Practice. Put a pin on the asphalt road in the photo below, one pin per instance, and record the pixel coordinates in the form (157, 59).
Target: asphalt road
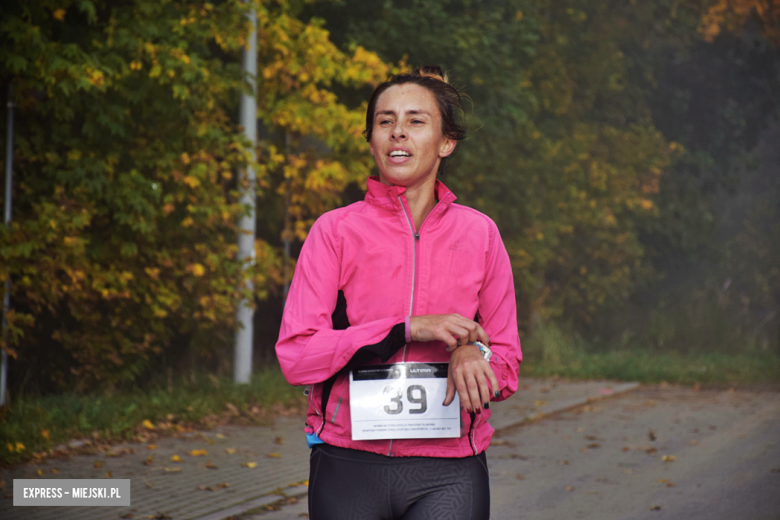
(654, 453)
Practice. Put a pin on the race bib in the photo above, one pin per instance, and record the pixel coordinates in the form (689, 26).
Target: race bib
(402, 401)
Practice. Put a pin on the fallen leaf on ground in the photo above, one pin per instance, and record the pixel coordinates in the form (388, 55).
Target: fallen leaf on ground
(305, 482)
(649, 403)
(206, 488)
(655, 508)
(98, 464)
(108, 474)
(731, 390)
(694, 443)
(40, 473)
(628, 471)
(594, 445)
(55, 471)
(230, 451)
(279, 440)
(148, 461)
(223, 485)
(668, 458)
(544, 389)
(199, 453)
(232, 409)
(151, 447)
(696, 387)
(45, 433)
(160, 516)
(651, 435)
(562, 462)
(249, 464)
(583, 450)
(590, 437)
(626, 448)
(540, 403)
(519, 477)
(569, 488)
(172, 470)
(148, 483)
(219, 436)
(175, 458)
(209, 465)
(274, 455)
(127, 515)
(147, 424)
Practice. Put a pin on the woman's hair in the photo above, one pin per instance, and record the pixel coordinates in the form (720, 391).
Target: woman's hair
(448, 100)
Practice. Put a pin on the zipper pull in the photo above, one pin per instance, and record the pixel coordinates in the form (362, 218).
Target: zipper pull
(417, 235)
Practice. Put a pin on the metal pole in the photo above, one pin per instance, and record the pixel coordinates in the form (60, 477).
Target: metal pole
(242, 352)
(9, 161)
(287, 230)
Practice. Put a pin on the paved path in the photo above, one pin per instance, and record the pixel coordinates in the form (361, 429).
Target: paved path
(651, 454)
(190, 489)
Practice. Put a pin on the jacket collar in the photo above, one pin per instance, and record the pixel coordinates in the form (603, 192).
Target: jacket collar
(380, 194)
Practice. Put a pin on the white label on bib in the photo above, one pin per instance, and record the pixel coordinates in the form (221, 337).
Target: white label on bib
(402, 401)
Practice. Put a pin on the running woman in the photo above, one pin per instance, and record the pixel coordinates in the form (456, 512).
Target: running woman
(401, 320)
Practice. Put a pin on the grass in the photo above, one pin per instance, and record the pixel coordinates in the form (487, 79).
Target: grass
(552, 352)
(35, 424)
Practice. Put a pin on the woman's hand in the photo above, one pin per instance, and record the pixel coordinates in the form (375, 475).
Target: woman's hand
(452, 329)
(470, 374)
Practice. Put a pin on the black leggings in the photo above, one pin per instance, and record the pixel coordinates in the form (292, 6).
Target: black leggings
(346, 484)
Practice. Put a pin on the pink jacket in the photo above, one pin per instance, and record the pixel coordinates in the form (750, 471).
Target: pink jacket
(363, 270)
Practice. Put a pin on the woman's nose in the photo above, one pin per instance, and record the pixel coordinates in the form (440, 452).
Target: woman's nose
(399, 132)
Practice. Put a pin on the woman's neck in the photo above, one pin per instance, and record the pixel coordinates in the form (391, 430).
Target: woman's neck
(421, 200)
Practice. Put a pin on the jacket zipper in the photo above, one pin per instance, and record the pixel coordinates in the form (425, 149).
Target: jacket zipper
(415, 238)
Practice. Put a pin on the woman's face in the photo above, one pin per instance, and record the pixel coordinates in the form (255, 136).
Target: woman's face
(407, 142)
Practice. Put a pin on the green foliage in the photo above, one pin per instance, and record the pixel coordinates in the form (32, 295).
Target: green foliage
(552, 351)
(126, 202)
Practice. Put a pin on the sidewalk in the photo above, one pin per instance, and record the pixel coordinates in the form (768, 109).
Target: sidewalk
(245, 467)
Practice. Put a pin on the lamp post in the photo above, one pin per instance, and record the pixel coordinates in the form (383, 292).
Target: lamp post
(9, 161)
(242, 352)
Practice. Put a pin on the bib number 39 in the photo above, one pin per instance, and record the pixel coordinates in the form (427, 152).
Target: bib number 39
(415, 395)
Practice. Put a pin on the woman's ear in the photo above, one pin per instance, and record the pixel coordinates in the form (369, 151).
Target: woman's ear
(447, 147)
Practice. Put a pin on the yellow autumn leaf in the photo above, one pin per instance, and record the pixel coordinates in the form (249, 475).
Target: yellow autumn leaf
(199, 453)
(175, 458)
(45, 434)
(147, 424)
(20, 446)
(151, 447)
(249, 464)
(668, 458)
(230, 451)
(197, 269)
(40, 472)
(540, 403)
(274, 455)
(59, 14)
(219, 436)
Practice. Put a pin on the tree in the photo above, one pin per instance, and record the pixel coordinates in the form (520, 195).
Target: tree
(123, 240)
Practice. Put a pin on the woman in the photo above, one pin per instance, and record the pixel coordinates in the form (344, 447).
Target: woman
(376, 322)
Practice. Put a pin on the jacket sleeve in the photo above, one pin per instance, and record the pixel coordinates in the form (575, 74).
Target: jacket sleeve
(498, 316)
(309, 349)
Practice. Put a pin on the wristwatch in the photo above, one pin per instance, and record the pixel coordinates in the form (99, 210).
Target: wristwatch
(483, 349)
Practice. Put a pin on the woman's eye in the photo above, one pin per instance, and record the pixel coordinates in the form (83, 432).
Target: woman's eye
(417, 122)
